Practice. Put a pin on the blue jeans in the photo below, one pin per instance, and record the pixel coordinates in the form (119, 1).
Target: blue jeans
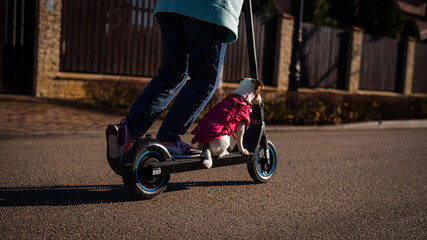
(193, 48)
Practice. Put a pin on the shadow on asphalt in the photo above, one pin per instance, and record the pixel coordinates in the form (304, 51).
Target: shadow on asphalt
(63, 195)
(187, 185)
(89, 194)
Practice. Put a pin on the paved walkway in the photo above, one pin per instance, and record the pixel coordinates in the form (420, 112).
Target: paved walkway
(27, 114)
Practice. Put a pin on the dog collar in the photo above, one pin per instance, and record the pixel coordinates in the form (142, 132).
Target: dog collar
(244, 100)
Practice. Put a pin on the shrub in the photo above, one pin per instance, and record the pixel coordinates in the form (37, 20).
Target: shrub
(295, 108)
(298, 108)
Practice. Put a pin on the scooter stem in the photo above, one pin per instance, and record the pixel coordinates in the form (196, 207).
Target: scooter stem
(251, 39)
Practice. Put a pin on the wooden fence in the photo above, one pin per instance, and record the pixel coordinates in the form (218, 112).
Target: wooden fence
(121, 37)
(419, 82)
(323, 60)
(236, 61)
(110, 37)
(381, 64)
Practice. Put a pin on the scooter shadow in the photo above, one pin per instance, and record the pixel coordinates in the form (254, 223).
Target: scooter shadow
(63, 195)
(180, 186)
(87, 194)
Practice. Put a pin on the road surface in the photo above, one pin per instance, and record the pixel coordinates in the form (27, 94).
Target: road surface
(329, 184)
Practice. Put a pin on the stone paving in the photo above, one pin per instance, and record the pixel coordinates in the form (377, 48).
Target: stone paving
(25, 114)
(28, 114)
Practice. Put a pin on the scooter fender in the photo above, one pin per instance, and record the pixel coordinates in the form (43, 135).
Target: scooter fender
(260, 140)
(256, 135)
(144, 144)
(253, 137)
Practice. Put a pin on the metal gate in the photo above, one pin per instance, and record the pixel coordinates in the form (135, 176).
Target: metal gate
(17, 28)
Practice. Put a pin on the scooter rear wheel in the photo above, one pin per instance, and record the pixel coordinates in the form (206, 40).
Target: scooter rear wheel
(262, 169)
(138, 179)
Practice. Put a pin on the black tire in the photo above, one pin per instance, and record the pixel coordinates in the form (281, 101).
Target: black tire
(262, 169)
(138, 181)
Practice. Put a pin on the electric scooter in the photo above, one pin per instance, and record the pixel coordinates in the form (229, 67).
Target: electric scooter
(146, 167)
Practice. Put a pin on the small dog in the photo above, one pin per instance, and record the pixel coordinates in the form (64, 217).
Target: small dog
(230, 115)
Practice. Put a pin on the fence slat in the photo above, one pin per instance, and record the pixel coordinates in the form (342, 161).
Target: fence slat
(129, 41)
(90, 36)
(419, 82)
(236, 61)
(75, 32)
(63, 36)
(381, 63)
(323, 59)
(96, 41)
(103, 37)
(82, 31)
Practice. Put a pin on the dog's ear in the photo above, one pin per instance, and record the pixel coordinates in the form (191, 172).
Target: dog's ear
(258, 85)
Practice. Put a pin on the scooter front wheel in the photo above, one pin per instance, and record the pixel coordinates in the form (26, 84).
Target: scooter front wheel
(138, 178)
(263, 168)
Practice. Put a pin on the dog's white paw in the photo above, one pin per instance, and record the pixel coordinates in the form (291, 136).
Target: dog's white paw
(208, 159)
(223, 154)
(244, 151)
(207, 163)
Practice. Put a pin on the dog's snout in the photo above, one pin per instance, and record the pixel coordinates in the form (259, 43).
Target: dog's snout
(257, 99)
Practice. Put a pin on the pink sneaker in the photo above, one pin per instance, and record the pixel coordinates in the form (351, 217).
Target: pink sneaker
(119, 140)
(180, 149)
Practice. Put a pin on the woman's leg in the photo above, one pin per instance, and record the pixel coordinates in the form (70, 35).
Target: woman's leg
(206, 43)
(169, 80)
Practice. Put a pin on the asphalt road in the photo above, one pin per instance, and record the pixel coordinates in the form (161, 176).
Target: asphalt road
(329, 184)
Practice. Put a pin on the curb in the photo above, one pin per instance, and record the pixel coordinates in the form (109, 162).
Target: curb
(374, 125)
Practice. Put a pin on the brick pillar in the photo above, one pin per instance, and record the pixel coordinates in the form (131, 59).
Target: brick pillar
(283, 57)
(47, 46)
(354, 57)
(408, 66)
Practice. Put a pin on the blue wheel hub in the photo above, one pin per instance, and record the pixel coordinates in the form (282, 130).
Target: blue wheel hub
(265, 166)
(144, 178)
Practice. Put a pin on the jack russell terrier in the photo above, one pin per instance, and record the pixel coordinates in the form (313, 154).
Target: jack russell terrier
(230, 115)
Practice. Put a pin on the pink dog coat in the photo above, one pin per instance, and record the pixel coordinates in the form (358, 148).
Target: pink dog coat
(222, 119)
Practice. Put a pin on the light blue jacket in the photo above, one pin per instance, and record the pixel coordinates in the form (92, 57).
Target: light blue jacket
(222, 12)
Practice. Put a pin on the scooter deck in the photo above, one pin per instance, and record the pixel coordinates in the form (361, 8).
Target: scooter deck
(190, 164)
